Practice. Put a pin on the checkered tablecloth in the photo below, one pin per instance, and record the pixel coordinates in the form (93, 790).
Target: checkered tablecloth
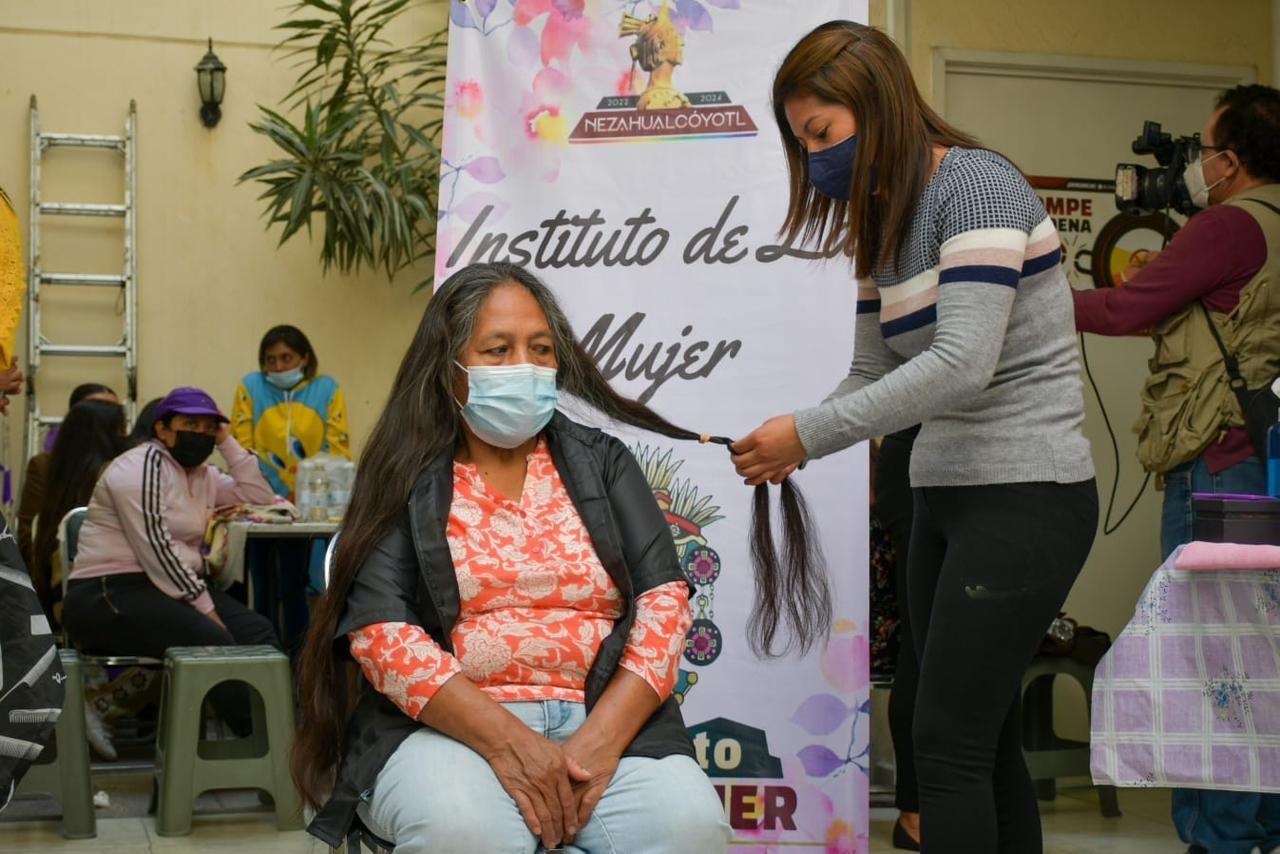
(1189, 695)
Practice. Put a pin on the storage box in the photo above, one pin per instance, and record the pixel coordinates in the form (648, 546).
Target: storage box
(1236, 519)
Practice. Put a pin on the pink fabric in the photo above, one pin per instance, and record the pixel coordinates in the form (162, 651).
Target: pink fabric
(1189, 694)
(1200, 556)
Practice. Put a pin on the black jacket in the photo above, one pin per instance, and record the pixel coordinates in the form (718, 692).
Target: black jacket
(410, 578)
(31, 675)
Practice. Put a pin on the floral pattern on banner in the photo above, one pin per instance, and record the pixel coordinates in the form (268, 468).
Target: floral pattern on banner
(490, 133)
(839, 737)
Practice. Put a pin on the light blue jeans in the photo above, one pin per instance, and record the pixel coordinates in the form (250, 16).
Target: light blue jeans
(436, 794)
(1216, 821)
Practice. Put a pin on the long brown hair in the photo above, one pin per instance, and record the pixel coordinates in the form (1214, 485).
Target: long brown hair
(421, 421)
(860, 68)
(91, 436)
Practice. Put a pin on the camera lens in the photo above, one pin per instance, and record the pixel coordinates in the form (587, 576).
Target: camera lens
(1127, 178)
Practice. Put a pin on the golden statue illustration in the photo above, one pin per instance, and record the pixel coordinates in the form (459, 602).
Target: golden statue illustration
(658, 49)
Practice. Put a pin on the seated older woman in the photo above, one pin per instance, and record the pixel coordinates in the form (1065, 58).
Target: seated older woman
(510, 590)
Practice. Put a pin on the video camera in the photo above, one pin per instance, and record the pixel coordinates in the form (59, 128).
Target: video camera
(1141, 189)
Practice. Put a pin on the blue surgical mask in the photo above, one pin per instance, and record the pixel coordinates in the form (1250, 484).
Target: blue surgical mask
(285, 379)
(507, 405)
(831, 169)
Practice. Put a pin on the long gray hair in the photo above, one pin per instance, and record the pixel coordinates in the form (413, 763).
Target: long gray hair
(421, 421)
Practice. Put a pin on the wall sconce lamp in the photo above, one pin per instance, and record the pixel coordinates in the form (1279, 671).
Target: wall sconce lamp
(211, 78)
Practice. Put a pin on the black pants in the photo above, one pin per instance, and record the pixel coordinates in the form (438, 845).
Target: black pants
(894, 508)
(128, 615)
(990, 569)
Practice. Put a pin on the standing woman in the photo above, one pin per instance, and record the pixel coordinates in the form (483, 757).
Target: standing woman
(285, 412)
(964, 325)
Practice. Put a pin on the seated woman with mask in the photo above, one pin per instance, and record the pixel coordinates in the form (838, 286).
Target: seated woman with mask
(510, 590)
(138, 586)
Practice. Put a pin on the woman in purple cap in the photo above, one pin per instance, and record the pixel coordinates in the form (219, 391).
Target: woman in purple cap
(139, 584)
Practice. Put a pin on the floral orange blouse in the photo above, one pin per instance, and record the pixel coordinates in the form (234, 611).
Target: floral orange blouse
(536, 604)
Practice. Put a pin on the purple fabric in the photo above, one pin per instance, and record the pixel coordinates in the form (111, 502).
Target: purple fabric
(189, 401)
(1233, 496)
(1189, 695)
(49, 439)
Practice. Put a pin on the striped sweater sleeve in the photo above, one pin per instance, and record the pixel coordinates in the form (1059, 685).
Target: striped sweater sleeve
(984, 244)
(141, 506)
(872, 357)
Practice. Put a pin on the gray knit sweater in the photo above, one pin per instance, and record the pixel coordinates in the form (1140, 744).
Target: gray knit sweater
(973, 336)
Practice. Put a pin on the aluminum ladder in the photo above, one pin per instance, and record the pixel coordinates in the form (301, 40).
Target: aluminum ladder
(39, 346)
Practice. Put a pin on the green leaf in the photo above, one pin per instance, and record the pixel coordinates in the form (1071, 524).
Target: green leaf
(327, 47)
(322, 5)
(344, 147)
(306, 24)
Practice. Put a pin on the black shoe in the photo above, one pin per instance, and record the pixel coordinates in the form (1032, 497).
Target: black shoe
(902, 840)
(1196, 849)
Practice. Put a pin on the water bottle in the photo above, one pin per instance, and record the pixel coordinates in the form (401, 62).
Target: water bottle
(1273, 452)
(318, 486)
(302, 490)
(343, 476)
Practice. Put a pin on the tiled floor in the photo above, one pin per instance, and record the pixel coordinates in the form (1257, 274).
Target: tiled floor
(1072, 825)
(254, 833)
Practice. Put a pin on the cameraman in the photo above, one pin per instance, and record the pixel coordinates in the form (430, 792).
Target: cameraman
(1190, 430)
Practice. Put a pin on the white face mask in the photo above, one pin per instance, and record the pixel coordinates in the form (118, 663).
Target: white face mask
(1193, 175)
(507, 405)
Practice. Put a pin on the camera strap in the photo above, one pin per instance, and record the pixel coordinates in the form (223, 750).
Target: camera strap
(1259, 407)
(1233, 366)
(1267, 205)
(1228, 360)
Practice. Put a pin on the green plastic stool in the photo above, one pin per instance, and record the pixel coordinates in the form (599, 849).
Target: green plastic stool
(1048, 756)
(64, 771)
(187, 766)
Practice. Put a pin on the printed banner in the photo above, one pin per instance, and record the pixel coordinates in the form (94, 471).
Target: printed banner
(1101, 247)
(627, 152)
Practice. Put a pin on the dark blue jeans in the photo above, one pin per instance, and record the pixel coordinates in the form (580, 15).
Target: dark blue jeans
(280, 572)
(1221, 822)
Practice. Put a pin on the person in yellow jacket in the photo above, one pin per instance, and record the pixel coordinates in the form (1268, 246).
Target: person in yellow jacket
(12, 286)
(285, 412)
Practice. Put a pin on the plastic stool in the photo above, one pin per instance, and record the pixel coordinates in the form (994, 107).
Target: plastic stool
(1048, 756)
(186, 766)
(64, 771)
